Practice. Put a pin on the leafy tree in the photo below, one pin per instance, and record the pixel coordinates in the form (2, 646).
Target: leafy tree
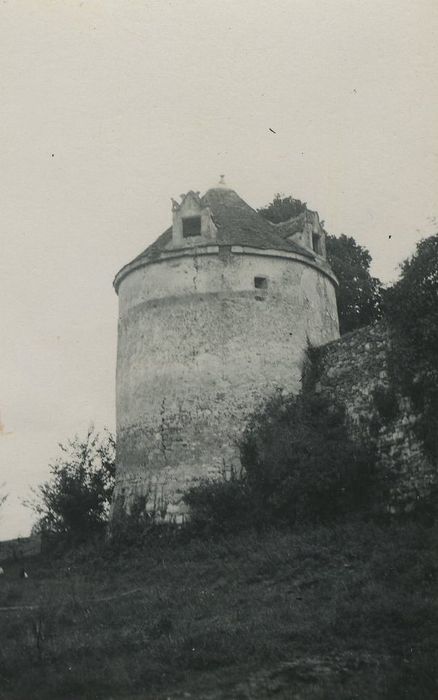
(412, 303)
(412, 312)
(75, 502)
(359, 295)
(282, 209)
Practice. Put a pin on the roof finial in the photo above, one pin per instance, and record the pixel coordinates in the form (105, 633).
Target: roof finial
(222, 180)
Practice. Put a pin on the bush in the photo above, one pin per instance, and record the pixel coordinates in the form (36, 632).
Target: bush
(282, 209)
(300, 467)
(74, 504)
(220, 507)
(137, 527)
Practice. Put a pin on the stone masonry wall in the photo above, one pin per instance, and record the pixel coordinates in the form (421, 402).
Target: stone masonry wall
(353, 371)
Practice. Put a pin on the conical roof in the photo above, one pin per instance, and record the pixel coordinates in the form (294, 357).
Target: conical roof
(237, 224)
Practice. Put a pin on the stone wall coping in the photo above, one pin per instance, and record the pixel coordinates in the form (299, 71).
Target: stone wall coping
(377, 332)
(214, 250)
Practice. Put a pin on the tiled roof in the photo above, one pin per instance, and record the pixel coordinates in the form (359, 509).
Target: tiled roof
(237, 224)
(288, 228)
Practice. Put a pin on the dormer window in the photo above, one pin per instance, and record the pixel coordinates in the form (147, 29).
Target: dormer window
(191, 226)
(191, 221)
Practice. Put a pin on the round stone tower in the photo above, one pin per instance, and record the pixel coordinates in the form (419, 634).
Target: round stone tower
(215, 317)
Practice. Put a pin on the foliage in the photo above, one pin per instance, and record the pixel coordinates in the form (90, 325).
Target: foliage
(412, 301)
(137, 526)
(74, 504)
(220, 506)
(359, 295)
(282, 209)
(412, 313)
(300, 466)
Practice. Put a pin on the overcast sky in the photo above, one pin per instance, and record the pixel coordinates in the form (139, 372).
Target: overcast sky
(109, 108)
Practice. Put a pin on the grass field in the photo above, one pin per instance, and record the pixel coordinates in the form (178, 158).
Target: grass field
(346, 612)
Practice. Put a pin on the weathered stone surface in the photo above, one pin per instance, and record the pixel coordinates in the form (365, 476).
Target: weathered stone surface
(352, 369)
(200, 346)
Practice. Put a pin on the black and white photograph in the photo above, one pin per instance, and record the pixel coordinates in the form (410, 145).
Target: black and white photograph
(219, 350)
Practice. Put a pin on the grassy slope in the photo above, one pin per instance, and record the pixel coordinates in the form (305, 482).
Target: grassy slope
(348, 612)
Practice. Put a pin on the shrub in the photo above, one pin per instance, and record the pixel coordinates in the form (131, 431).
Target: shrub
(282, 209)
(219, 507)
(136, 527)
(74, 504)
(300, 466)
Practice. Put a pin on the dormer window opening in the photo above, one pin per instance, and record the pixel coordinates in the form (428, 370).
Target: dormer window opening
(316, 243)
(191, 226)
(261, 287)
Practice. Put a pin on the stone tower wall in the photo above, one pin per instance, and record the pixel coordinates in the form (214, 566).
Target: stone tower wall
(199, 347)
(354, 372)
